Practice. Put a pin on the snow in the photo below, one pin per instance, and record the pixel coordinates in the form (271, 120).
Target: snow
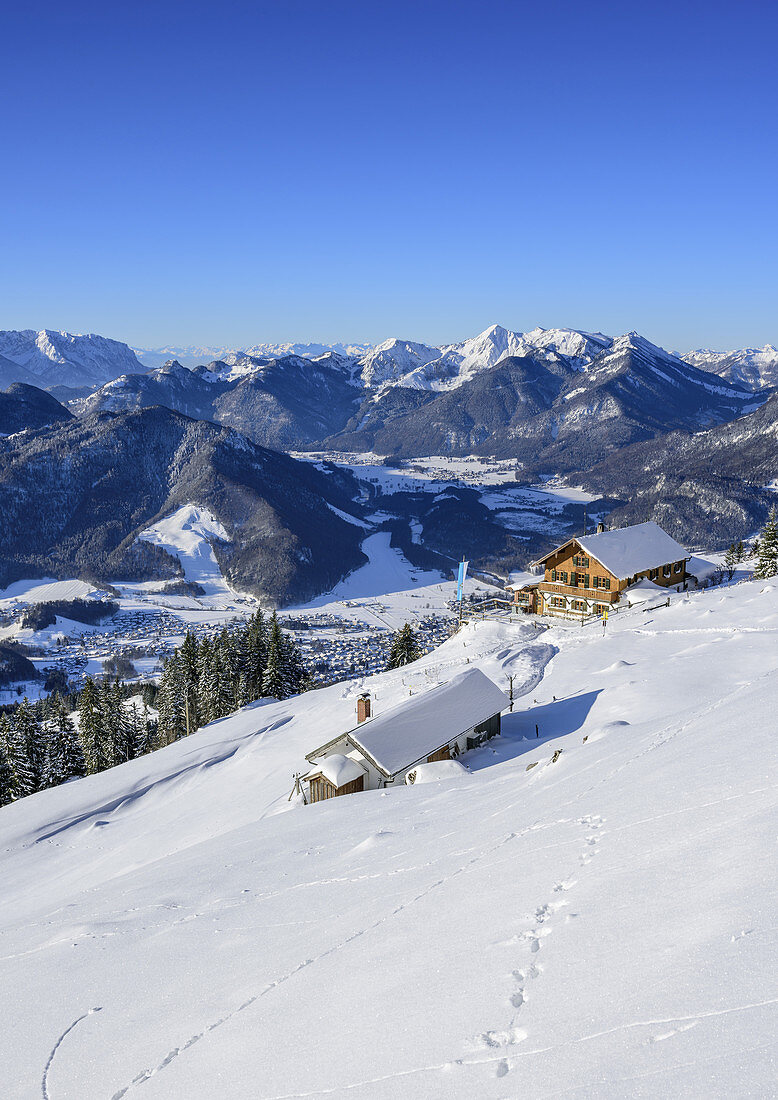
(630, 550)
(339, 769)
(437, 770)
(643, 591)
(405, 733)
(387, 571)
(600, 925)
(187, 534)
(45, 589)
(597, 926)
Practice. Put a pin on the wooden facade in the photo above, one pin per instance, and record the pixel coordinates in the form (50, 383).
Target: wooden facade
(320, 788)
(576, 584)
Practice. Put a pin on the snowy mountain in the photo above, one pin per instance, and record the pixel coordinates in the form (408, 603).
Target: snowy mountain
(458, 363)
(551, 412)
(50, 358)
(194, 355)
(76, 496)
(286, 403)
(753, 367)
(420, 366)
(391, 361)
(582, 913)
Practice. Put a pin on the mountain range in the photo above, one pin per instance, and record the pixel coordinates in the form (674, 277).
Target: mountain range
(555, 400)
(59, 359)
(75, 496)
(648, 432)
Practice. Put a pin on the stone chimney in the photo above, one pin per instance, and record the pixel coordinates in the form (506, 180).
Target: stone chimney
(600, 528)
(363, 708)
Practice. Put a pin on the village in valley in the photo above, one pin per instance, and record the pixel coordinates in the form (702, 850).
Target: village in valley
(346, 636)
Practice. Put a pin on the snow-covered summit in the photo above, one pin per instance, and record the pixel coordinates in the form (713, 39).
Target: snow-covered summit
(67, 359)
(458, 363)
(753, 367)
(395, 359)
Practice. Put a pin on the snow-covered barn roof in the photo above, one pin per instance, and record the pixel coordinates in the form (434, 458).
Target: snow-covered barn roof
(630, 550)
(415, 728)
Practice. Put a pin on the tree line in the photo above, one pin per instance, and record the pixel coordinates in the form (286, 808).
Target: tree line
(65, 736)
(42, 746)
(210, 678)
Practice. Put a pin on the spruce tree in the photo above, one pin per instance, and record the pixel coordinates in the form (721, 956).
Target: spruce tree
(90, 728)
(405, 648)
(25, 756)
(767, 559)
(6, 777)
(69, 745)
(188, 668)
(207, 686)
(274, 680)
(145, 732)
(255, 657)
(730, 561)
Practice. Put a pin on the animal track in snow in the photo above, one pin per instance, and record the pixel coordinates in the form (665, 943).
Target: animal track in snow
(493, 1039)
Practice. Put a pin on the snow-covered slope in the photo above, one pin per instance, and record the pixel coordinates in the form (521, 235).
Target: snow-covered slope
(188, 534)
(754, 367)
(597, 926)
(63, 359)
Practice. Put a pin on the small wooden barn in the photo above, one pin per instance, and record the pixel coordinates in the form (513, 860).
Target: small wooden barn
(439, 724)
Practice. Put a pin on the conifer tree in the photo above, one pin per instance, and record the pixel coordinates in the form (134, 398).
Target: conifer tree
(90, 728)
(767, 559)
(405, 648)
(730, 561)
(188, 669)
(144, 731)
(207, 686)
(255, 657)
(6, 776)
(274, 680)
(69, 749)
(25, 756)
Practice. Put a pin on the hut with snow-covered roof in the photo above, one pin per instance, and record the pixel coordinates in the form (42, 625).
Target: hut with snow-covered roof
(439, 724)
(590, 573)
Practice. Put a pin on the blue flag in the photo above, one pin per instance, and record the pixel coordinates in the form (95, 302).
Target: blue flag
(461, 579)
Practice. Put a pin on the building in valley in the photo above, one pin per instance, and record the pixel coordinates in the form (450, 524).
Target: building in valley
(590, 573)
(439, 724)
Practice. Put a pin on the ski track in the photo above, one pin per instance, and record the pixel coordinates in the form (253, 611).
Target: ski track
(55, 1048)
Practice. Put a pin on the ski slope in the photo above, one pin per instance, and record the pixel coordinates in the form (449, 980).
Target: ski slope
(598, 926)
(188, 534)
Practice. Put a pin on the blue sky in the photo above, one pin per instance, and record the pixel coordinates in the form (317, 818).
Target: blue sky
(237, 172)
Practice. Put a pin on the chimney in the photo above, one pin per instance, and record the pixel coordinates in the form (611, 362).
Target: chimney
(600, 528)
(363, 708)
